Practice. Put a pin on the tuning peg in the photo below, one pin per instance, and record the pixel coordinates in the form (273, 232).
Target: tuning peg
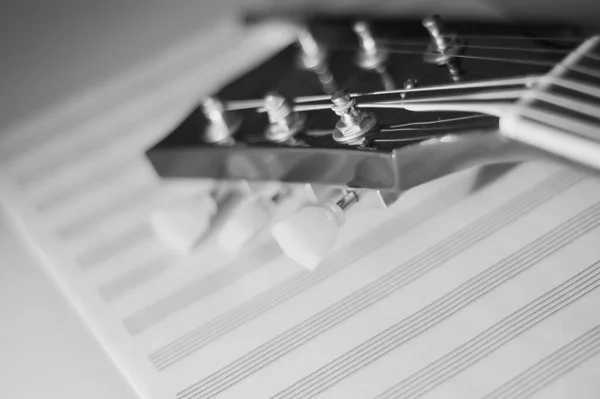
(354, 124)
(309, 234)
(370, 55)
(183, 223)
(409, 84)
(312, 55)
(443, 48)
(252, 215)
(284, 122)
(222, 124)
(269, 201)
(246, 221)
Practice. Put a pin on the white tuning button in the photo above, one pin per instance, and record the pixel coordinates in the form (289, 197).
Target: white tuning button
(183, 223)
(309, 234)
(246, 221)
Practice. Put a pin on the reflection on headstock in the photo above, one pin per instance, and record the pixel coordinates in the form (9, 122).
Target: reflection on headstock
(287, 120)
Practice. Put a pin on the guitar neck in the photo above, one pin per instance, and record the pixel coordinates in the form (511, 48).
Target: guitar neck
(561, 115)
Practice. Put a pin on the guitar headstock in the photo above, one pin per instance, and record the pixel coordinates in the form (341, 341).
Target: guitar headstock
(365, 105)
(359, 56)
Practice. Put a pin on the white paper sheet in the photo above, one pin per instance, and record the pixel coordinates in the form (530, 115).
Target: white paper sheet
(482, 284)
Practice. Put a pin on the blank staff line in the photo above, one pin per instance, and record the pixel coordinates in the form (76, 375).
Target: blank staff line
(75, 123)
(362, 242)
(377, 237)
(352, 304)
(567, 367)
(199, 288)
(135, 278)
(451, 369)
(372, 348)
(96, 136)
(347, 256)
(65, 160)
(175, 93)
(499, 334)
(116, 244)
(387, 284)
(550, 368)
(109, 211)
(473, 289)
(79, 186)
(440, 246)
(128, 112)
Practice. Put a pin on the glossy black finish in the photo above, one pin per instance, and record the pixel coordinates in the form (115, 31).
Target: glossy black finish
(391, 160)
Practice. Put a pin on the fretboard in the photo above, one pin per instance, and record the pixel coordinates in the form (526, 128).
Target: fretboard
(561, 114)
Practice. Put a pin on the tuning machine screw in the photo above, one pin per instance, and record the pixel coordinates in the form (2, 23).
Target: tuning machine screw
(354, 124)
(313, 57)
(222, 124)
(443, 47)
(309, 234)
(284, 122)
(312, 54)
(370, 55)
(408, 84)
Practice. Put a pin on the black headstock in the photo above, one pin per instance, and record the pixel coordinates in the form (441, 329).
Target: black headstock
(395, 153)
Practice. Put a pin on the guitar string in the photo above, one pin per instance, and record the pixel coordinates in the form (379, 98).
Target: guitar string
(431, 130)
(560, 39)
(585, 70)
(576, 85)
(503, 48)
(311, 107)
(476, 57)
(449, 102)
(419, 138)
(248, 104)
(399, 104)
(494, 95)
(422, 42)
(486, 95)
(253, 104)
(490, 95)
(494, 108)
(593, 56)
(404, 125)
(525, 80)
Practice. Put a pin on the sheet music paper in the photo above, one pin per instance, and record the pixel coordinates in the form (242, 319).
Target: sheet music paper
(482, 284)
